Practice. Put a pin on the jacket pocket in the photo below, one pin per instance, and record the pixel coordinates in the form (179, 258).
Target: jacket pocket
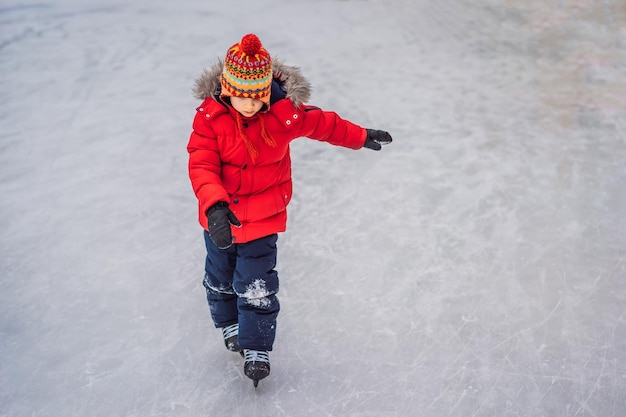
(266, 204)
(231, 178)
(286, 191)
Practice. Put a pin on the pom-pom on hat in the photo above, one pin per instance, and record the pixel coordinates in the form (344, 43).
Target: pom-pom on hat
(247, 70)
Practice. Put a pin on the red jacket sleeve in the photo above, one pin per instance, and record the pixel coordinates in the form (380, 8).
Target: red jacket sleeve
(205, 165)
(328, 127)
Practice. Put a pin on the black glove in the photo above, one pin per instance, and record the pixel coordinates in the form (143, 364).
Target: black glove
(376, 138)
(220, 218)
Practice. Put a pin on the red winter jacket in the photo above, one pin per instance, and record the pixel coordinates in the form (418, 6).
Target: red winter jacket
(222, 169)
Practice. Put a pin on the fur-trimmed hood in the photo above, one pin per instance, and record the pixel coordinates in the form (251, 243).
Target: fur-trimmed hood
(297, 88)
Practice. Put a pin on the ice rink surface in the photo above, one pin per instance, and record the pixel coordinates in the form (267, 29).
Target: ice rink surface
(475, 267)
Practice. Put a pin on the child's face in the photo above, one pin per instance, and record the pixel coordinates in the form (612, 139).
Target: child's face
(248, 107)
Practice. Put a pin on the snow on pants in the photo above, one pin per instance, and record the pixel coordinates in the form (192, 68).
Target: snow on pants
(241, 285)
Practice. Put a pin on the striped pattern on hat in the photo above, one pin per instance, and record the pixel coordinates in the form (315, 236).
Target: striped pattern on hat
(247, 70)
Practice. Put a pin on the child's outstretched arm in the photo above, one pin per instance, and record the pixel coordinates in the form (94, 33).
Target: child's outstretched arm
(328, 127)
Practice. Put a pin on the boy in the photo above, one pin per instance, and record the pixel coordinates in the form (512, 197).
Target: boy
(240, 171)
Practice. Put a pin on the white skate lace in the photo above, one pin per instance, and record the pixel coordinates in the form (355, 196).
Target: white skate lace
(229, 331)
(256, 356)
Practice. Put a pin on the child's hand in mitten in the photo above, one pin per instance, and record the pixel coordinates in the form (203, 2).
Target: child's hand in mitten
(219, 219)
(376, 138)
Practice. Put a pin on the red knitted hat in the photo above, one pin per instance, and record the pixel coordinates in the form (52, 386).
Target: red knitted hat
(247, 70)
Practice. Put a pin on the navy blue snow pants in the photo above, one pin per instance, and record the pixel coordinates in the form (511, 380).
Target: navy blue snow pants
(241, 285)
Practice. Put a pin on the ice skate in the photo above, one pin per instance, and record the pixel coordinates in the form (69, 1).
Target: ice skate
(231, 334)
(256, 365)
